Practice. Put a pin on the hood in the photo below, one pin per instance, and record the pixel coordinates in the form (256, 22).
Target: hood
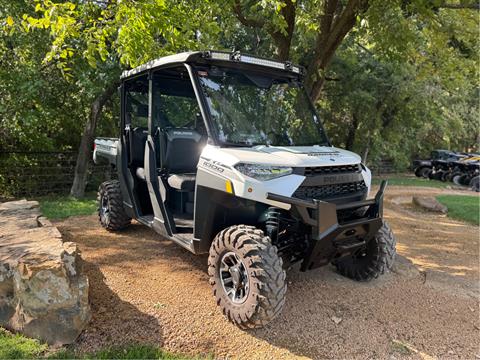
(294, 156)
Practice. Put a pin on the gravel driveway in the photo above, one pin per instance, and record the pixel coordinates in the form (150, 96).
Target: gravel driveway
(149, 290)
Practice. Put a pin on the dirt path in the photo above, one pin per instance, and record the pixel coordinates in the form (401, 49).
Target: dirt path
(446, 251)
(146, 289)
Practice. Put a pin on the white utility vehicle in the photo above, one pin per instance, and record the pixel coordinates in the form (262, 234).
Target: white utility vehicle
(224, 153)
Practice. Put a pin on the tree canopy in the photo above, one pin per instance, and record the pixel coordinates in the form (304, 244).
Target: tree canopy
(392, 79)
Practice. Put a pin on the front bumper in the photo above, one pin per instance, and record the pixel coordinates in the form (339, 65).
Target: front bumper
(331, 237)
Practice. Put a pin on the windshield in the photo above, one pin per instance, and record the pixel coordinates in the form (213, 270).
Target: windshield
(249, 109)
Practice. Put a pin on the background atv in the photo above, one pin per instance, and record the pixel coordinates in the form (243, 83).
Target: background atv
(466, 172)
(425, 168)
(224, 154)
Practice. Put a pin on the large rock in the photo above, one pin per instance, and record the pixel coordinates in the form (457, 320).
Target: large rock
(430, 204)
(405, 267)
(43, 292)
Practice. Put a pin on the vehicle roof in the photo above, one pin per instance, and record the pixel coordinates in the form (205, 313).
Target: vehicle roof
(206, 57)
(165, 60)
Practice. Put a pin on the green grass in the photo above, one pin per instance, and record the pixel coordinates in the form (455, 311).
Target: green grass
(400, 348)
(60, 207)
(129, 352)
(396, 180)
(19, 347)
(15, 346)
(462, 207)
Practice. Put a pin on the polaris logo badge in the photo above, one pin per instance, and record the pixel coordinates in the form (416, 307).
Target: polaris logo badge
(187, 133)
(338, 179)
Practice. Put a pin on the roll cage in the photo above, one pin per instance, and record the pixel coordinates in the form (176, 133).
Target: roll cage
(193, 60)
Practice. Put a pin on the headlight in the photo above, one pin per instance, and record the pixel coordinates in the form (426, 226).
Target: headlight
(263, 172)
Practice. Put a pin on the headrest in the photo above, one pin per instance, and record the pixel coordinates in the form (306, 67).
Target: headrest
(183, 133)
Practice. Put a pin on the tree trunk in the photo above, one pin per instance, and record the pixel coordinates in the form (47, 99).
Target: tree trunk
(335, 24)
(86, 143)
(365, 153)
(282, 40)
(352, 132)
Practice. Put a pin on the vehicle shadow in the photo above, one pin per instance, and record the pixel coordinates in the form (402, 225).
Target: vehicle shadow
(133, 244)
(114, 322)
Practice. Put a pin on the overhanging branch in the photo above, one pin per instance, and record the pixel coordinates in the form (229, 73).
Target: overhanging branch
(237, 9)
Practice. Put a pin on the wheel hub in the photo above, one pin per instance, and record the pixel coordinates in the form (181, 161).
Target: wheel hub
(104, 209)
(234, 277)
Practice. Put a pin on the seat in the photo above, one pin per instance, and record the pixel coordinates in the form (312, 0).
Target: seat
(138, 138)
(182, 182)
(183, 148)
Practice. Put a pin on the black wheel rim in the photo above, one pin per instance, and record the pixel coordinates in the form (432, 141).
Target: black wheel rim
(359, 254)
(104, 210)
(363, 252)
(234, 277)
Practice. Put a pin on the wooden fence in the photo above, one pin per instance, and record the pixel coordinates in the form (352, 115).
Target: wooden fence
(32, 174)
(382, 167)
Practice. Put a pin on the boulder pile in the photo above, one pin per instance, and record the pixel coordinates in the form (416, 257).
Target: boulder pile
(43, 292)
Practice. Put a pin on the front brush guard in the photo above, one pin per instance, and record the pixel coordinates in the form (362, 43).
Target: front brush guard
(331, 238)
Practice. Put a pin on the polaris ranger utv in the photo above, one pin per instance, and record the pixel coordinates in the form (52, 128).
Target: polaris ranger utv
(223, 153)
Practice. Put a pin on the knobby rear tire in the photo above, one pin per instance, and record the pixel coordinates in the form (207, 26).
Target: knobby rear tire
(110, 195)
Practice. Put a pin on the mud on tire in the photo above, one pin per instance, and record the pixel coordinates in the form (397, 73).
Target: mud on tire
(265, 277)
(111, 213)
(377, 258)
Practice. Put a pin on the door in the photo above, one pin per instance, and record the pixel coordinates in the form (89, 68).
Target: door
(134, 136)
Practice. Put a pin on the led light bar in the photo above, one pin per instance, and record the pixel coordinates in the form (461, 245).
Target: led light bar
(269, 63)
(236, 56)
(220, 56)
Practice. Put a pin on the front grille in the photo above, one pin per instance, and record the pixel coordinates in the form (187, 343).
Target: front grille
(328, 170)
(329, 191)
